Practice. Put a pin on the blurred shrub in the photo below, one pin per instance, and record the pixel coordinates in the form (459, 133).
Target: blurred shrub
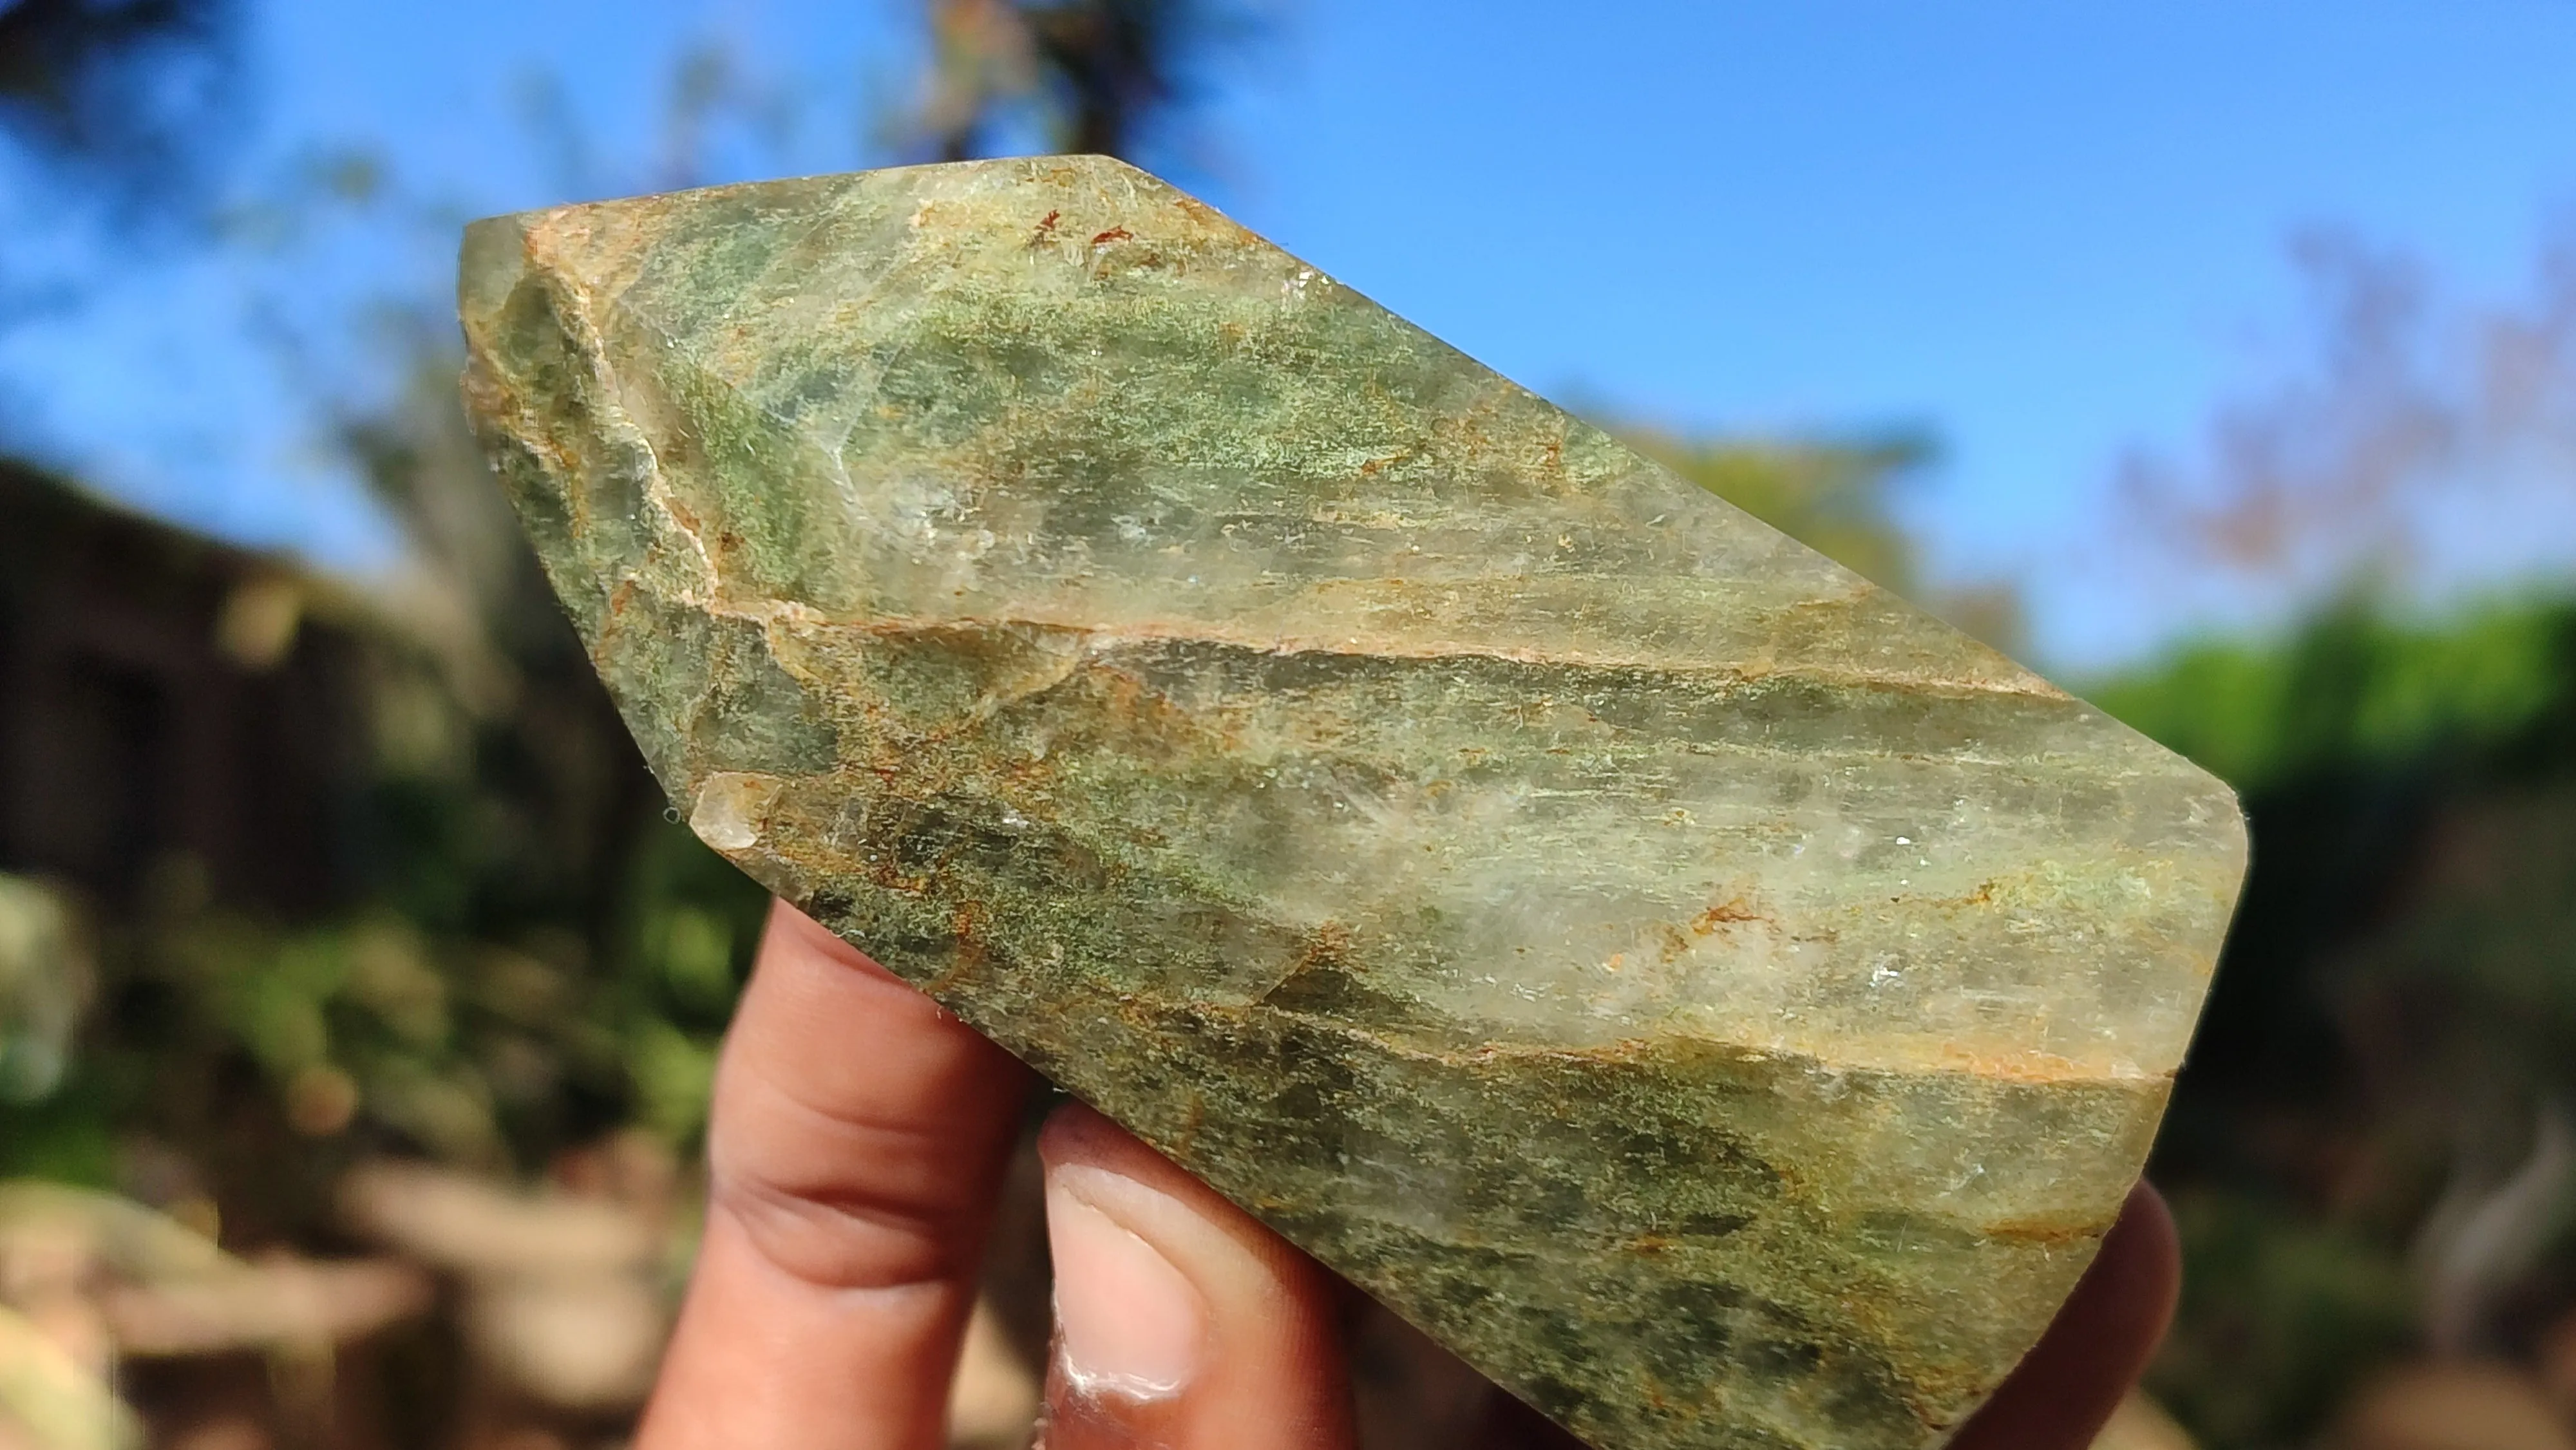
(1839, 496)
(2280, 1317)
(2356, 690)
(1834, 496)
(44, 988)
(504, 947)
(2361, 1149)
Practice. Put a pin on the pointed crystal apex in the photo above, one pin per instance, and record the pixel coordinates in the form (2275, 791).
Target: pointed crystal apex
(1723, 1004)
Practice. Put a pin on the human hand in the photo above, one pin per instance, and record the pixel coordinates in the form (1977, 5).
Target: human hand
(858, 1142)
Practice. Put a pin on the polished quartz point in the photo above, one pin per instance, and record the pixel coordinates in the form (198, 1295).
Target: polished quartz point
(1723, 1004)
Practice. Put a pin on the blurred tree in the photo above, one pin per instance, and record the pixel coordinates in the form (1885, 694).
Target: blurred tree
(116, 115)
(2352, 689)
(531, 952)
(1835, 496)
(2370, 1149)
(528, 824)
(2360, 1149)
(1092, 75)
(1839, 497)
(135, 97)
(2419, 442)
(527, 954)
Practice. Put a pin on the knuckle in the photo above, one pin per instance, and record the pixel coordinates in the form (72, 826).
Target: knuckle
(842, 1239)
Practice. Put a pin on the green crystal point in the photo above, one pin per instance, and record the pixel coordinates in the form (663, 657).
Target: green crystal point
(1723, 1004)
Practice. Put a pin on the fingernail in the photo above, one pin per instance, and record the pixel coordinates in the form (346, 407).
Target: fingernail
(1128, 1323)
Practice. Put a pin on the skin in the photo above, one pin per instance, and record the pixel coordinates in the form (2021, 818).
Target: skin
(857, 1147)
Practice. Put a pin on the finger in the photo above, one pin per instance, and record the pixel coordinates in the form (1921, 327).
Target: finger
(857, 1142)
(1512, 1425)
(2065, 1389)
(1181, 1323)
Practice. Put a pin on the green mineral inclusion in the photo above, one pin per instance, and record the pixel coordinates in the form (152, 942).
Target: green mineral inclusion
(1723, 1004)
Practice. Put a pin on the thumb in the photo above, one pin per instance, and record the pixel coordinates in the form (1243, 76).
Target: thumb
(1180, 1321)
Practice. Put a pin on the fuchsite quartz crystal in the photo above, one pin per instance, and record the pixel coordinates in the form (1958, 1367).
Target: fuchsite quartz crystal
(1720, 1002)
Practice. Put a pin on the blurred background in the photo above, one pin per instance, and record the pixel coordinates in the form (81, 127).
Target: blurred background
(358, 997)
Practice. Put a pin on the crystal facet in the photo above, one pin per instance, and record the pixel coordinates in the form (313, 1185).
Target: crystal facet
(1723, 1004)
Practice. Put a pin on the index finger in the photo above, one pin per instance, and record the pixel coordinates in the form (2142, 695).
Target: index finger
(856, 1146)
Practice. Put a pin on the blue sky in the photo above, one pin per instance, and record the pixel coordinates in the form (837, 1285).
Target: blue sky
(2046, 232)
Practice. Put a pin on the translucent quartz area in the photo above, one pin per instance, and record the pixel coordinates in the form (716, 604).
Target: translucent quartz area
(1720, 1002)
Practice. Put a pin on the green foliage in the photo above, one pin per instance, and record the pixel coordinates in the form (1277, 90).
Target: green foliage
(2355, 689)
(280, 1051)
(2279, 1316)
(1838, 497)
(1834, 497)
(2395, 1016)
(2496, 917)
(44, 986)
(521, 952)
(67, 1136)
